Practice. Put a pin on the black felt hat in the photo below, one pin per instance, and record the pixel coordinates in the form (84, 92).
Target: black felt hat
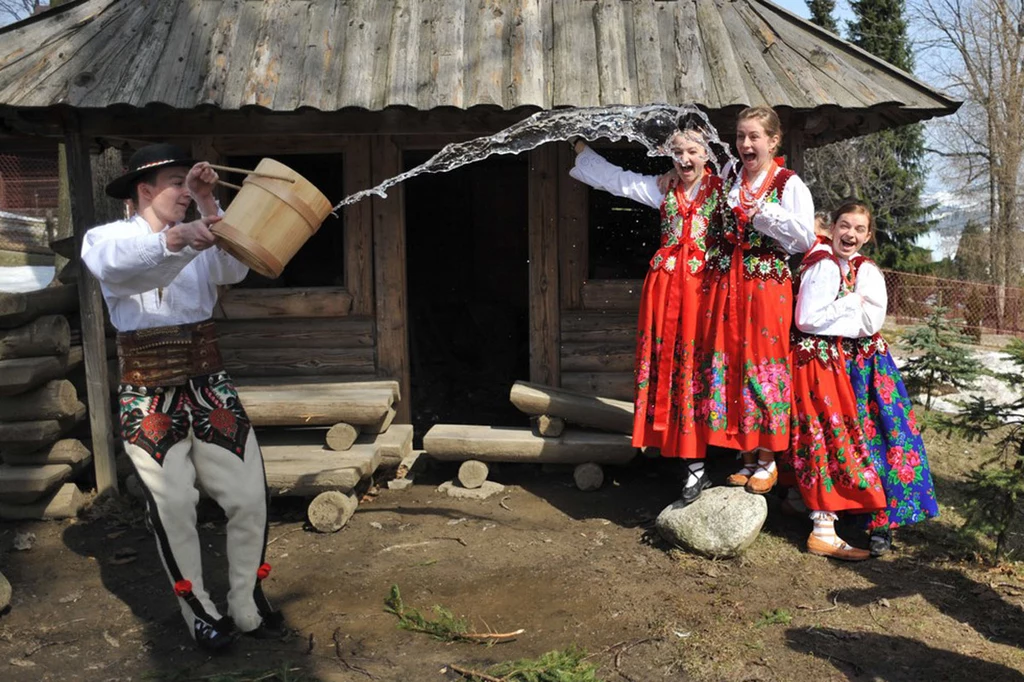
(144, 160)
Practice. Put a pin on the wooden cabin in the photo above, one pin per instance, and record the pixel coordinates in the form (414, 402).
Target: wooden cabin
(455, 284)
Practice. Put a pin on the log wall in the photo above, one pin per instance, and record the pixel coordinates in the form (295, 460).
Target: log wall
(598, 339)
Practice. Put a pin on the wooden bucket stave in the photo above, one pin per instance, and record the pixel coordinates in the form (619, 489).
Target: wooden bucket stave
(269, 219)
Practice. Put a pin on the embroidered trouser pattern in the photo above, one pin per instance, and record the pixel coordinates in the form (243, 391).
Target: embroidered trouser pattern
(199, 431)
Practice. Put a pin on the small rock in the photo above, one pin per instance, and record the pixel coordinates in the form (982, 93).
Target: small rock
(24, 541)
(5, 593)
(399, 483)
(377, 525)
(483, 492)
(723, 522)
(588, 476)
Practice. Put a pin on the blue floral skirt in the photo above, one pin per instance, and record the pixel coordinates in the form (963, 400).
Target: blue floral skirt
(894, 441)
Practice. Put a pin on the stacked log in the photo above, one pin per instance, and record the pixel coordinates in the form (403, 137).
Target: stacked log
(39, 406)
(600, 435)
(325, 437)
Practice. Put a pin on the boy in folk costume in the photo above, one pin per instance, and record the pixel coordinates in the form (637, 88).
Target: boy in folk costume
(180, 416)
(672, 298)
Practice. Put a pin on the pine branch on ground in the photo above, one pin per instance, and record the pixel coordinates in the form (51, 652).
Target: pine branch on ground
(566, 665)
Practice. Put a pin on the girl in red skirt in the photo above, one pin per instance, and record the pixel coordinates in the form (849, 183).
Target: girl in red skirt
(742, 382)
(672, 296)
(829, 454)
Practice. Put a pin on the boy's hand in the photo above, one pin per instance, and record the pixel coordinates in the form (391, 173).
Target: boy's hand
(196, 234)
(201, 180)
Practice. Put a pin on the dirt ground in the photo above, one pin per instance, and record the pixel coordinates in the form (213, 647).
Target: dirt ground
(91, 601)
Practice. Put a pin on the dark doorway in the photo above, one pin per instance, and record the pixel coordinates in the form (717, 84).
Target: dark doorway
(468, 283)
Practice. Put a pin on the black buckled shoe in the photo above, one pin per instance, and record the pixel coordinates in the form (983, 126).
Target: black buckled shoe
(216, 637)
(692, 492)
(271, 627)
(881, 541)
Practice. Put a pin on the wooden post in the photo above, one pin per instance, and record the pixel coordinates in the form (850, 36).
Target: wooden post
(543, 249)
(358, 227)
(91, 313)
(390, 272)
(573, 229)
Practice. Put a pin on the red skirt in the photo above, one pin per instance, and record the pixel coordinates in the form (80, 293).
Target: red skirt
(829, 455)
(743, 383)
(666, 330)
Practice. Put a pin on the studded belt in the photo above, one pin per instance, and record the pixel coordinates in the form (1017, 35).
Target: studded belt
(168, 356)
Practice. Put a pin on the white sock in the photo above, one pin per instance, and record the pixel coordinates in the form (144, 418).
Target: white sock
(825, 527)
(765, 468)
(696, 470)
(748, 468)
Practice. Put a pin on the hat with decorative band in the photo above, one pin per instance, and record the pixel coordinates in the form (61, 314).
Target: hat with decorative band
(146, 159)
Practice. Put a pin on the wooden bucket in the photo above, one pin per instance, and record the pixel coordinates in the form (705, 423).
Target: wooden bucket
(270, 219)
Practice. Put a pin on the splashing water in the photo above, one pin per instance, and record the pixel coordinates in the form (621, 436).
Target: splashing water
(652, 126)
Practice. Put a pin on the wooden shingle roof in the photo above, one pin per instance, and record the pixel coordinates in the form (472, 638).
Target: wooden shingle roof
(286, 55)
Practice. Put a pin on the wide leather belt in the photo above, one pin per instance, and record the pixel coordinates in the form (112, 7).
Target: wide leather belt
(168, 356)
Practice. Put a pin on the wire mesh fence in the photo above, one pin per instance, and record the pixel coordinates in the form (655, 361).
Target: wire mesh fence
(982, 308)
(29, 184)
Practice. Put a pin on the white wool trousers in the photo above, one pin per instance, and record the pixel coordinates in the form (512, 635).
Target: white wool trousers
(180, 435)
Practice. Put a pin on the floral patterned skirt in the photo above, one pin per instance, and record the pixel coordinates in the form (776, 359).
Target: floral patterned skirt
(829, 457)
(742, 388)
(666, 331)
(893, 439)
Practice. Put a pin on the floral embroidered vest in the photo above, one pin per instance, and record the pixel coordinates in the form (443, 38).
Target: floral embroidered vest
(674, 233)
(763, 257)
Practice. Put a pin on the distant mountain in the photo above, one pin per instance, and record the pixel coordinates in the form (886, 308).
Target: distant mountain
(951, 214)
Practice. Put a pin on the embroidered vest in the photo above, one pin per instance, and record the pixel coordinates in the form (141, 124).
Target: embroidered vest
(700, 215)
(763, 257)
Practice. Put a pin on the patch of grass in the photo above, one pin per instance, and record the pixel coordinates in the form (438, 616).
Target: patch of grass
(445, 626)
(566, 665)
(774, 617)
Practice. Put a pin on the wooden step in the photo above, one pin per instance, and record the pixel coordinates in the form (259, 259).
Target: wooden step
(314, 404)
(22, 485)
(21, 437)
(307, 470)
(70, 451)
(395, 444)
(459, 442)
(63, 503)
(340, 382)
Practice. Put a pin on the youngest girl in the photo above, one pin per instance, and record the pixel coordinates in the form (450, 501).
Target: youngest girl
(830, 458)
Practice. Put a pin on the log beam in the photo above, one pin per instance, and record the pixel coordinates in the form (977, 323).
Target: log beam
(578, 408)
(461, 442)
(46, 335)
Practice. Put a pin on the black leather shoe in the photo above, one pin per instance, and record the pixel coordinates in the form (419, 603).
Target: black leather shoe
(272, 627)
(692, 492)
(217, 637)
(881, 542)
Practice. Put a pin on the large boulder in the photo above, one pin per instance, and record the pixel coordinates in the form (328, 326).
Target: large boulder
(721, 523)
(5, 593)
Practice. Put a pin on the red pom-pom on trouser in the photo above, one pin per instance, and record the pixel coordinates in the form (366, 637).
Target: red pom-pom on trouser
(263, 571)
(183, 588)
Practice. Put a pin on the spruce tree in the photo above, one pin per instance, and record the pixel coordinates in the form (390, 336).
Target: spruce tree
(822, 14)
(996, 488)
(880, 27)
(939, 357)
